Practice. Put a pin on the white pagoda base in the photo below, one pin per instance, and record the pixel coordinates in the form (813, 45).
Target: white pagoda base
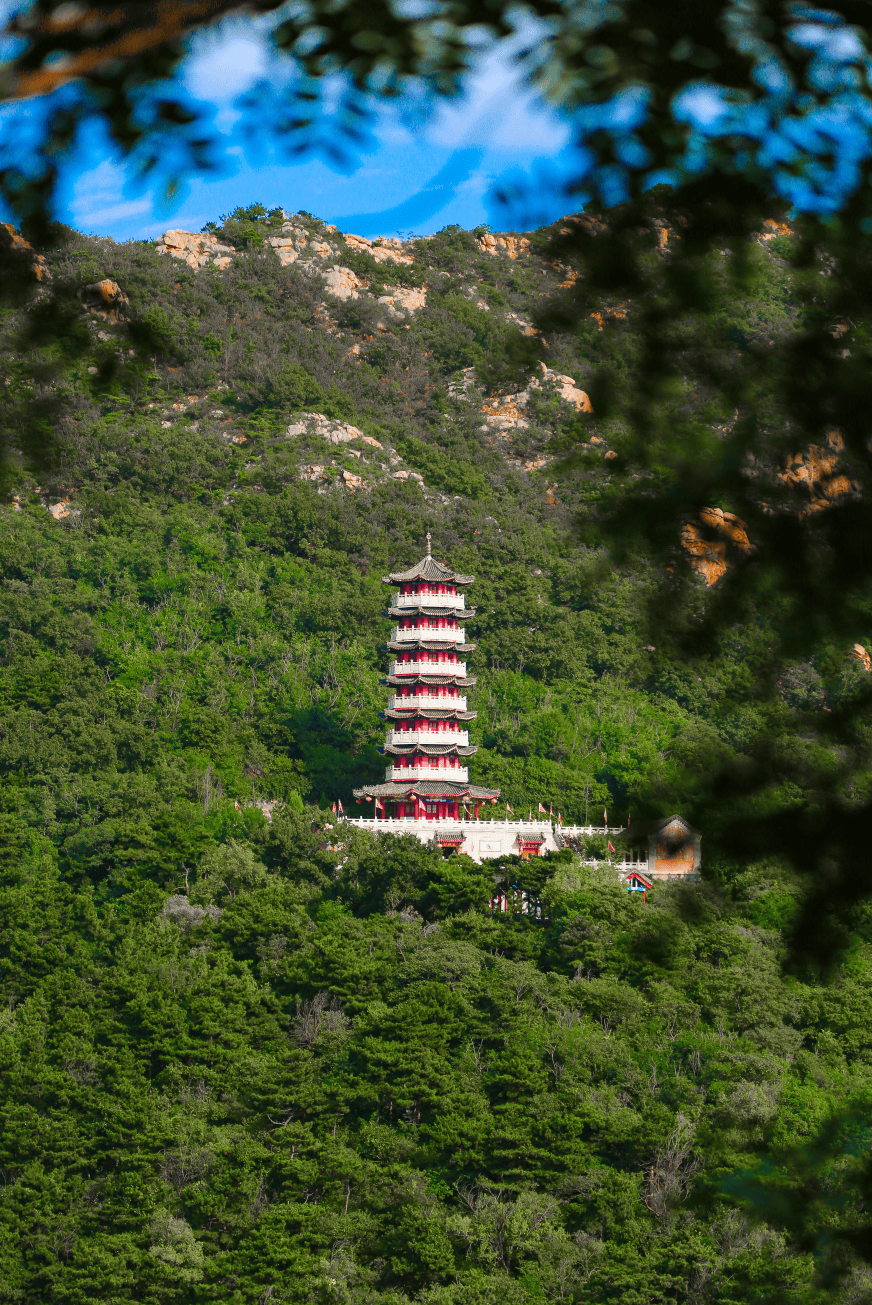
(484, 840)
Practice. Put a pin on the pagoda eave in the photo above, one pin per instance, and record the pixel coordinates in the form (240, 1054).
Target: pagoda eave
(423, 788)
(424, 609)
(426, 713)
(430, 749)
(428, 645)
(435, 681)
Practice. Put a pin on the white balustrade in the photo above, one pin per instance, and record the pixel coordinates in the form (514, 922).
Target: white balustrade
(433, 634)
(404, 737)
(427, 668)
(430, 600)
(431, 701)
(453, 774)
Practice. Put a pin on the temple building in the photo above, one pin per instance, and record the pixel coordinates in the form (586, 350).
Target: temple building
(663, 849)
(426, 742)
(427, 792)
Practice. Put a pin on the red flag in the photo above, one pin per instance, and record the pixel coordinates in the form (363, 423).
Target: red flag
(560, 817)
(542, 809)
(605, 816)
(378, 805)
(551, 812)
(341, 810)
(509, 809)
(333, 808)
(611, 849)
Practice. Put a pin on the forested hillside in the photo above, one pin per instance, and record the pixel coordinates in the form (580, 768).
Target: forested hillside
(260, 1059)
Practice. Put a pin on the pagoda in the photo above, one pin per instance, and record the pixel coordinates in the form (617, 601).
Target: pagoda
(426, 741)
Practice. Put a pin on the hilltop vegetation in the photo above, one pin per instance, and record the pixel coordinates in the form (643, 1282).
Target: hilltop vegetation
(244, 1061)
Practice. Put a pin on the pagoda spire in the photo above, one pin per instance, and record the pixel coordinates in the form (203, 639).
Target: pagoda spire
(426, 742)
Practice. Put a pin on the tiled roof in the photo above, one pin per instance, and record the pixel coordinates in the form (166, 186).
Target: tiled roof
(461, 681)
(431, 749)
(427, 788)
(429, 569)
(645, 827)
(429, 645)
(426, 713)
(423, 609)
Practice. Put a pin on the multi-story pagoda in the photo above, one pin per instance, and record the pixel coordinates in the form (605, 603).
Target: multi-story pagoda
(426, 740)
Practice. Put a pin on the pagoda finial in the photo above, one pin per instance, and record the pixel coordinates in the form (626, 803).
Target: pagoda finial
(428, 543)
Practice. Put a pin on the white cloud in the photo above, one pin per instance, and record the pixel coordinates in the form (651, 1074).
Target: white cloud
(226, 63)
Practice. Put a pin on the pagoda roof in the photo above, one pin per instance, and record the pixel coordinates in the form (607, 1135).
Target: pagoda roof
(429, 569)
(419, 609)
(461, 681)
(429, 645)
(427, 788)
(426, 713)
(431, 749)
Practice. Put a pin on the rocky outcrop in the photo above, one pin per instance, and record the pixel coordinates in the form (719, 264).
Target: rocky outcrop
(21, 254)
(295, 241)
(603, 315)
(715, 542)
(342, 283)
(816, 474)
(403, 301)
(197, 250)
(505, 412)
(771, 229)
(383, 250)
(105, 299)
(335, 432)
(860, 655)
(489, 243)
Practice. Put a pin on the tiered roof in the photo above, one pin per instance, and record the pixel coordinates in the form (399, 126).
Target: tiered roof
(429, 569)
(429, 645)
(420, 677)
(426, 713)
(430, 749)
(429, 788)
(415, 609)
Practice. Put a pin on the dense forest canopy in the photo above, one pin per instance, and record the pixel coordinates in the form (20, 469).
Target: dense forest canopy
(250, 1055)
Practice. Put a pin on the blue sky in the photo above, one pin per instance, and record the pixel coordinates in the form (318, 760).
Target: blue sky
(424, 166)
(429, 163)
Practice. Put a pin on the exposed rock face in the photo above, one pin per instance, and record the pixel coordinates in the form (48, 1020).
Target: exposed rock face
(335, 432)
(19, 251)
(294, 241)
(201, 250)
(503, 244)
(506, 412)
(352, 482)
(105, 299)
(771, 229)
(861, 655)
(404, 301)
(603, 315)
(816, 473)
(60, 509)
(381, 249)
(715, 542)
(342, 283)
